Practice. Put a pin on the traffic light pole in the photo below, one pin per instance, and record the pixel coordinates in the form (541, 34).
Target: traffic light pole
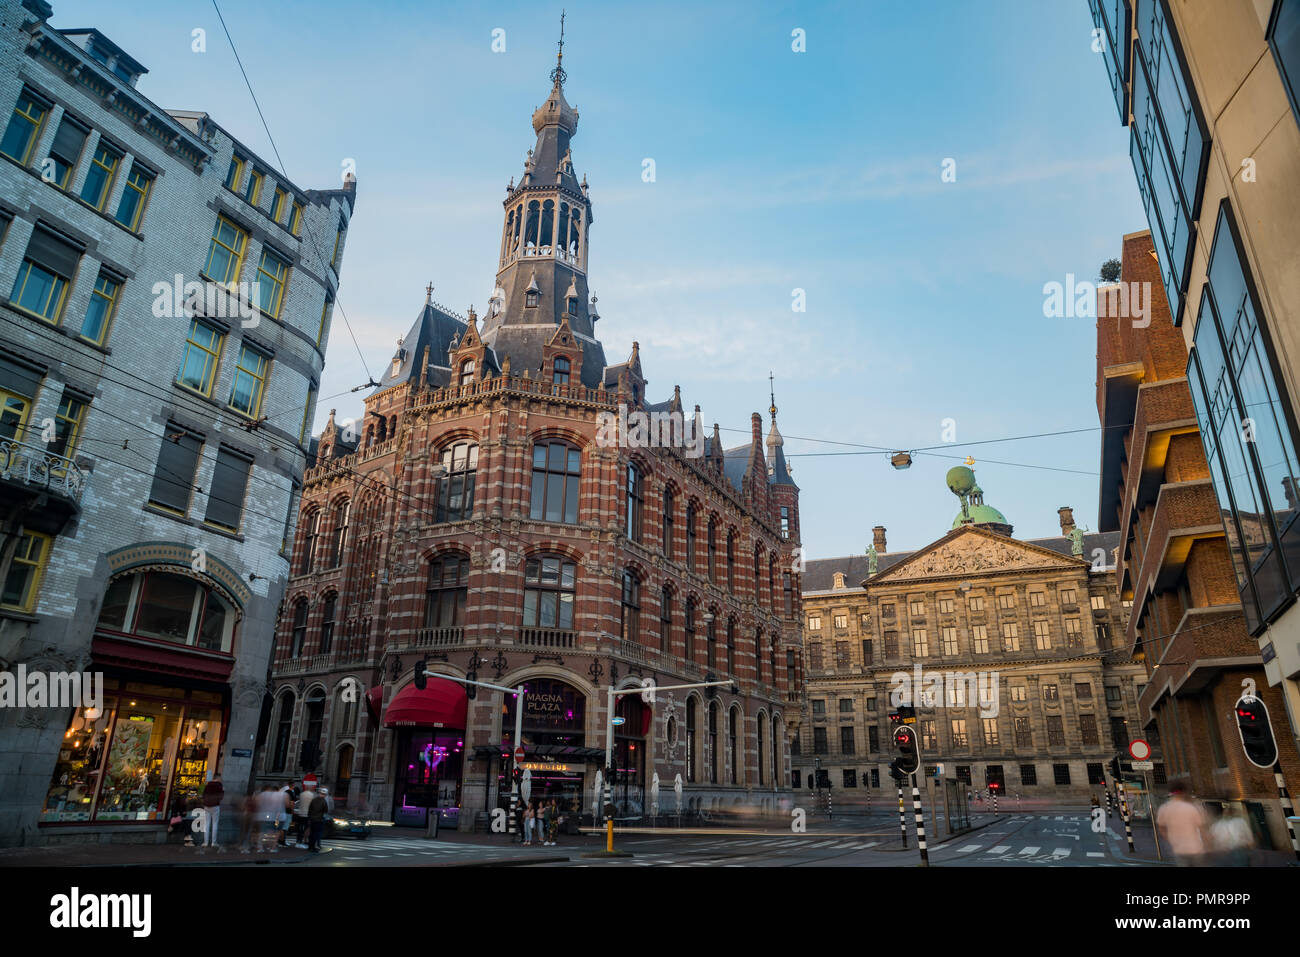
(920, 821)
(1288, 810)
(1123, 809)
(902, 818)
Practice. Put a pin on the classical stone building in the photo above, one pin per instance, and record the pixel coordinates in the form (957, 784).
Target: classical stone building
(1175, 564)
(1041, 616)
(150, 441)
(489, 514)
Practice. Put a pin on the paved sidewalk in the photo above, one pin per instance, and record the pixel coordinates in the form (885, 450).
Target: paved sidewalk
(141, 855)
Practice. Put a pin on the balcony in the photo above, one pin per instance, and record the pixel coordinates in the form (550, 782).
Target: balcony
(547, 638)
(439, 637)
(28, 470)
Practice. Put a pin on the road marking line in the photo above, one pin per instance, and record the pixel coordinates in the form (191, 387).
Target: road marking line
(1000, 849)
(968, 848)
(842, 846)
(1030, 850)
(1061, 852)
(1096, 854)
(863, 847)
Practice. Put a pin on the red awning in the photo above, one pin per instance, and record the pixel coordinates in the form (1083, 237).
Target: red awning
(375, 700)
(441, 705)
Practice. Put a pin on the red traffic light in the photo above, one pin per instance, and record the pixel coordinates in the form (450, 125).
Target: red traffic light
(1244, 713)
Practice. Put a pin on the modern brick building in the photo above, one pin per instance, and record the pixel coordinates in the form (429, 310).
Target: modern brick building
(1187, 624)
(481, 516)
(1211, 94)
(151, 440)
(1040, 615)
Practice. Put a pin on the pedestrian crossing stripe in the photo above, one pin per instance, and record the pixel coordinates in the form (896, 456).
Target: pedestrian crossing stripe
(1029, 850)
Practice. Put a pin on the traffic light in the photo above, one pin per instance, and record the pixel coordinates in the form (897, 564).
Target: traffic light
(713, 691)
(1256, 732)
(421, 681)
(470, 690)
(735, 688)
(908, 757)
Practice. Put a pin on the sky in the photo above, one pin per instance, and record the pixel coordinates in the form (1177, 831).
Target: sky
(774, 171)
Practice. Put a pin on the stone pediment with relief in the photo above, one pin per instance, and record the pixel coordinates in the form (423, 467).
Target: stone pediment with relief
(975, 552)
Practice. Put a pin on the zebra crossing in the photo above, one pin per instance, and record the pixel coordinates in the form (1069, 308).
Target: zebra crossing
(395, 849)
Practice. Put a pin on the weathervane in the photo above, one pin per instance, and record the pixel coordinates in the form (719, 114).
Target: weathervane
(558, 75)
(772, 386)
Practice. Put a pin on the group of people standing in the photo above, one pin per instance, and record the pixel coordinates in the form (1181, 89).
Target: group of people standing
(540, 821)
(1195, 840)
(276, 812)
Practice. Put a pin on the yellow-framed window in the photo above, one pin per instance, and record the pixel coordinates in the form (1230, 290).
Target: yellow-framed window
(23, 580)
(272, 277)
(131, 208)
(295, 220)
(277, 204)
(324, 316)
(103, 303)
(23, 129)
(67, 425)
(14, 409)
(202, 352)
(235, 172)
(250, 381)
(253, 193)
(40, 291)
(226, 254)
(306, 415)
(99, 178)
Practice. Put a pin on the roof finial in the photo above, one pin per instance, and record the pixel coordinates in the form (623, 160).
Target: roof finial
(771, 381)
(428, 294)
(558, 76)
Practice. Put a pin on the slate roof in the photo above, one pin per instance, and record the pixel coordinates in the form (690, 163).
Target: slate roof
(433, 327)
(524, 345)
(780, 470)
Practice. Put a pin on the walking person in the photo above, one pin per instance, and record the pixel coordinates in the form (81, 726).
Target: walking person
(316, 811)
(1231, 838)
(270, 812)
(301, 815)
(552, 822)
(213, 794)
(284, 819)
(530, 820)
(1182, 823)
(248, 822)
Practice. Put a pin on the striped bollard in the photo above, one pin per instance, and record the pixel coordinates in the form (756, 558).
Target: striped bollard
(920, 823)
(1288, 810)
(1108, 806)
(902, 818)
(1123, 809)
(995, 800)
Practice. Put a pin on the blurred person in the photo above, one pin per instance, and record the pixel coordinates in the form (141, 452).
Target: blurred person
(317, 808)
(1182, 822)
(301, 815)
(248, 821)
(284, 819)
(270, 809)
(1232, 838)
(530, 820)
(213, 794)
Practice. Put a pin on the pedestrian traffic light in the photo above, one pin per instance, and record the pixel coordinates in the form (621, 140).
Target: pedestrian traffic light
(908, 757)
(421, 680)
(1256, 732)
(895, 771)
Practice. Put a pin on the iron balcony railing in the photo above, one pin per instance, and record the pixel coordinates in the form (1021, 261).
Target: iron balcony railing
(33, 465)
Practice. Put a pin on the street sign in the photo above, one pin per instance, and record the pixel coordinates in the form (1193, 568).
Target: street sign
(617, 721)
(1139, 749)
(519, 753)
(309, 781)
(1144, 765)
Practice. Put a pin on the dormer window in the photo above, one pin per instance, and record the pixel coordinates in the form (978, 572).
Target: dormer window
(573, 305)
(531, 300)
(560, 371)
(467, 372)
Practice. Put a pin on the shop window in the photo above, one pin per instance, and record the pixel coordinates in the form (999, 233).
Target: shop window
(167, 607)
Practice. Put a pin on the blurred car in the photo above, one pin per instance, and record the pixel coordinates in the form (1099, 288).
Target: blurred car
(338, 825)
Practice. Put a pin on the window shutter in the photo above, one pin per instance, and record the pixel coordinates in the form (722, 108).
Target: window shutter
(19, 378)
(55, 254)
(229, 482)
(68, 142)
(174, 477)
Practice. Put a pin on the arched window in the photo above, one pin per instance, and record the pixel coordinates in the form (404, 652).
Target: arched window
(310, 525)
(690, 629)
(467, 372)
(713, 743)
(761, 724)
(549, 583)
(167, 607)
(327, 623)
(448, 591)
(713, 549)
(733, 741)
(340, 533)
(283, 727)
(635, 495)
(665, 619)
(631, 630)
(731, 647)
(562, 230)
(669, 504)
(557, 469)
(778, 736)
(560, 370)
(711, 636)
(758, 653)
(545, 240)
(690, 536)
(314, 721)
(299, 628)
(771, 583)
(758, 575)
(731, 561)
(456, 488)
(345, 709)
(787, 587)
(530, 227)
(690, 739)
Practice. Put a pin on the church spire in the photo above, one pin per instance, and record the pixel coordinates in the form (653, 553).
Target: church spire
(558, 76)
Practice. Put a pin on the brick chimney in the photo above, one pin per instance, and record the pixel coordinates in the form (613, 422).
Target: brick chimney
(1067, 519)
(879, 534)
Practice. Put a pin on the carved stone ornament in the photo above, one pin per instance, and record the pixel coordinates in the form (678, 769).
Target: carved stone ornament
(974, 553)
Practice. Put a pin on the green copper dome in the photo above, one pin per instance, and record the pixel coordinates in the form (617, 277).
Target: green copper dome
(980, 515)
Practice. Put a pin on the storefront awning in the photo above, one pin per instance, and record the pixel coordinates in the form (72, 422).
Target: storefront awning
(440, 705)
(555, 752)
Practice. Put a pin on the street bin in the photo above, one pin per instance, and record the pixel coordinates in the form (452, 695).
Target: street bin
(431, 829)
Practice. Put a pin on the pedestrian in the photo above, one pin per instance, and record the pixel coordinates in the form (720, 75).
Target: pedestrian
(1231, 838)
(520, 812)
(248, 821)
(552, 817)
(316, 811)
(284, 818)
(1182, 822)
(530, 820)
(213, 794)
(270, 812)
(301, 815)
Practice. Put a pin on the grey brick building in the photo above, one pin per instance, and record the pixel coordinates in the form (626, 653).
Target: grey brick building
(151, 445)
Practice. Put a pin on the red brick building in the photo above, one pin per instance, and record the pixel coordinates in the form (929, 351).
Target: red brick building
(1173, 561)
(480, 517)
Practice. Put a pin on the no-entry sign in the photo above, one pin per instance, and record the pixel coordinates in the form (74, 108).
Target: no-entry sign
(1139, 750)
(309, 781)
(519, 753)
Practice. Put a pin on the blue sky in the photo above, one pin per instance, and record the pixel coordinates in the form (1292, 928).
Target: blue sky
(775, 170)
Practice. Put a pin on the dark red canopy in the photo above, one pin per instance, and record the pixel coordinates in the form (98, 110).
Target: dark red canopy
(441, 704)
